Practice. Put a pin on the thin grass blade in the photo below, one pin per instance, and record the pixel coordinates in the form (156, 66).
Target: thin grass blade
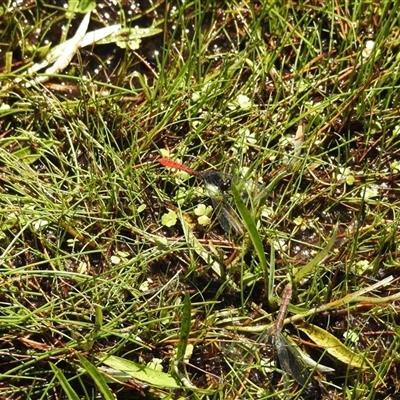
(69, 391)
(185, 328)
(308, 268)
(97, 378)
(252, 230)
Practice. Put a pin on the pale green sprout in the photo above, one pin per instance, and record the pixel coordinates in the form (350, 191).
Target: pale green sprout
(203, 213)
(169, 219)
(244, 102)
(298, 221)
(37, 225)
(362, 266)
(181, 195)
(204, 220)
(267, 212)
(119, 257)
(351, 336)
(395, 165)
(165, 153)
(346, 175)
(115, 260)
(141, 208)
(196, 96)
(247, 138)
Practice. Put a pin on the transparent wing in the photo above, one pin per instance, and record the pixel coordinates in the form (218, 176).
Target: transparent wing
(227, 217)
(218, 184)
(290, 361)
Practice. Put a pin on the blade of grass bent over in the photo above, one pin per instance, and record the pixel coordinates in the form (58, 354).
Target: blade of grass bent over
(333, 345)
(350, 298)
(140, 372)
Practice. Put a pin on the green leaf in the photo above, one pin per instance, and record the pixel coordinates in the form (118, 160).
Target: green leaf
(141, 372)
(85, 6)
(129, 37)
(69, 391)
(79, 6)
(252, 230)
(72, 7)
(203, 220)
(333, 346)
(141, 208)
(169, 219)
(185, 328)
(97, 378)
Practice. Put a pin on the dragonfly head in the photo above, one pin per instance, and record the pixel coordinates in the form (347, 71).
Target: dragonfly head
(218, 180)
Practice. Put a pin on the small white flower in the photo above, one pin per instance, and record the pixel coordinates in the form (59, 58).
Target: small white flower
(40, 224)
(145, 285)
(369, 192)
(368, 47)
(244, 102)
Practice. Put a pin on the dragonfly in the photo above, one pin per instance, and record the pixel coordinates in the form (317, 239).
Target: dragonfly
(217, 184)
(289, 358)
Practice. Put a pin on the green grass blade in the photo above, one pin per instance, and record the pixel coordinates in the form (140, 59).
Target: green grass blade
(308, 268)
(141, 372)
(185, 328)
(69, 391)
(97, 378)
(252, 230)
